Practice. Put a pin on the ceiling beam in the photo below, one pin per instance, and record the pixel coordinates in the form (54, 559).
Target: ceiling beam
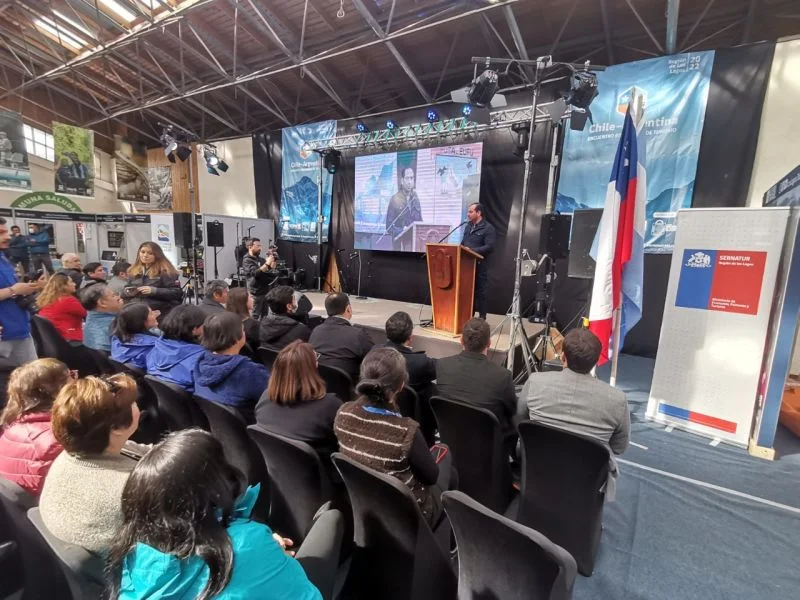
(607, 30)
(673, 9)
(645, 26)
(376, 27)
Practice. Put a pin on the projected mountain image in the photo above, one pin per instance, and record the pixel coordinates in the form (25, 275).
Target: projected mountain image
(403, 199)
(300, 205)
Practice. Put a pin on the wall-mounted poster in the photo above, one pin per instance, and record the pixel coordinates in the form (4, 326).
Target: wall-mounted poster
(74, 160)
(130, 167)
(15, 173)
(160, 181)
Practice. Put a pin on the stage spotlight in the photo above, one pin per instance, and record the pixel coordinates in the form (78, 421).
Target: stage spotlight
(523, 131)
(391, 124)
(169, 142)
(332, 159)
(582, 90)
(223, 166)
(466, 110)
(212, 170)
(483, 88)
(433, 116)
(361, 127)
(183, 152)
(211, 157)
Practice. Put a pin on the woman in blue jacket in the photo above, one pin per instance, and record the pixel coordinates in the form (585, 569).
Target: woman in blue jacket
(187, 534)
(224, 376)
(133, 334)
(176, 352)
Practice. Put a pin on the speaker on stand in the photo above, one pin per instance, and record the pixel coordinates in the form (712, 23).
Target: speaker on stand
(215, 237)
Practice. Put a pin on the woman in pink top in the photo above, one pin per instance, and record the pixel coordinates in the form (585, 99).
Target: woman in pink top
(27, 444)
(57, 303)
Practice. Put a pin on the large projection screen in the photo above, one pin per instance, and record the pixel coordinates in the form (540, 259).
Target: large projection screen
(405, 199)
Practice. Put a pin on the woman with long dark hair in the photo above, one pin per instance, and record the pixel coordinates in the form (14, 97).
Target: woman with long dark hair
(153, 280)
(57, 303)
(296, 403)
(240, 302)
(177, 351)
(133, 334)
(187, 532)
(372, 431)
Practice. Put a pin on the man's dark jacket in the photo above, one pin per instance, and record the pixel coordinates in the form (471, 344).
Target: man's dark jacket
(341, 345)
(421, 367)
(257, 281)
(278, 331)
(209, 306)
(471, 378)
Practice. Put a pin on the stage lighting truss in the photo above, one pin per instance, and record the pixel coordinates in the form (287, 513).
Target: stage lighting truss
(449, 130)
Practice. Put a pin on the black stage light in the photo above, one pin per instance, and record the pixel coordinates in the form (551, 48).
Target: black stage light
(483, 88)
(183, 152)
(211, 156)
(212, 170)
(391, 124)
(466, 110)
(361, 127)
(223, 166)
(432, 115)
(523, 131)
(332, 160)
(582, 90)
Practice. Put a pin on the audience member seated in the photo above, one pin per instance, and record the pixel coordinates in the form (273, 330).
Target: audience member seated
(295, 404)
(472, 378)
(93, 418)
(240, 302)
(576, 401)
(102, 305)
(132, 334)
(27, 444)
(57, 303)
(71, 266)
(279, 329)
(93, 273)
(153, 280)
(371, 431)
(119, 276)
(215, 298)
(222, 374)
(177, 351)
(339, 343)
(421, 368)
(187, 531)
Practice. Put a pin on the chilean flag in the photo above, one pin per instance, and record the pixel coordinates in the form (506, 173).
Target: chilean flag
(618, 247)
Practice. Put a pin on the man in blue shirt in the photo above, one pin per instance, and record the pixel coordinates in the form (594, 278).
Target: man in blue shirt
(16, 344)
(480, 237)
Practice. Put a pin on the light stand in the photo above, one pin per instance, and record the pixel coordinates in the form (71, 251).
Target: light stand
(359, 296)
(319, 223)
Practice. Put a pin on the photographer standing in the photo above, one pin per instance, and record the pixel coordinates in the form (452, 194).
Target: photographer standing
(259, 276)
(16, 344)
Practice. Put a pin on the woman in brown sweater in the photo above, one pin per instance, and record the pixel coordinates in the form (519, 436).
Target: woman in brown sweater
(372, 431)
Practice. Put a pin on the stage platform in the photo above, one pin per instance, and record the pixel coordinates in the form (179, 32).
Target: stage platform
(372, 313)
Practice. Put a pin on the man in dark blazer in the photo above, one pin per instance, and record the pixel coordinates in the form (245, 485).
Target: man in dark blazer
(471, 378)
(215, 297)
(338, 343)
(421, 368)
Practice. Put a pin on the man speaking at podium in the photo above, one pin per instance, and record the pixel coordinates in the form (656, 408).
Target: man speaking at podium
(479, 236)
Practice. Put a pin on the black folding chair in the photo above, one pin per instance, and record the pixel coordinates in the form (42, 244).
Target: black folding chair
(175, 406)
(563, 489)
(267, 356)
(337, 381)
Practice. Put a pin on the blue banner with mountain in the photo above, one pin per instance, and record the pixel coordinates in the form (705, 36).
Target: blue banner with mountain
(675, 91)
(299, 188)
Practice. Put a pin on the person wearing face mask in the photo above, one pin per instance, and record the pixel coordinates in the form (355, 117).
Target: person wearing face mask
(259, 274)
(279, 329)
(153, 280)
(39, 245)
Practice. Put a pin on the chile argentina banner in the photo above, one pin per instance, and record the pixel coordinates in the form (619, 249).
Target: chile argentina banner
(300, 170)
(675, 93)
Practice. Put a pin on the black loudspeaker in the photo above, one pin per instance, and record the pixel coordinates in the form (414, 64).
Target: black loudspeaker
(554, 235)
(584, 228)
(183, 229)
(215, 234)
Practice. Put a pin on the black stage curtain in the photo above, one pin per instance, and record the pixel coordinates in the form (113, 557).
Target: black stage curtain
(730, 134)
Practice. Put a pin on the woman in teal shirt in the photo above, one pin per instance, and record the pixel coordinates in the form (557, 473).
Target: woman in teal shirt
(187, 531)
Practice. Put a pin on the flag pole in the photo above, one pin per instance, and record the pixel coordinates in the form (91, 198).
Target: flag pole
(615, 346)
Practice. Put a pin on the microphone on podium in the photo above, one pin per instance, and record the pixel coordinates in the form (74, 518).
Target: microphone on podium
(452, 231)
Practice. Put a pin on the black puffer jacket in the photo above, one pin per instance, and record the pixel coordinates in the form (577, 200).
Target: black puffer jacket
(278, 331)
(167, 293)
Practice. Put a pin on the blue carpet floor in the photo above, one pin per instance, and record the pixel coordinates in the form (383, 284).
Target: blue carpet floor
(670, 537)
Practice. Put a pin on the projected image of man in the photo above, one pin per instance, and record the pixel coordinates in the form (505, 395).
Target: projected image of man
(404, 207)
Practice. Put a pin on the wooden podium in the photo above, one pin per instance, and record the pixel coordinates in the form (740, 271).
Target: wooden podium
(451, 276)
